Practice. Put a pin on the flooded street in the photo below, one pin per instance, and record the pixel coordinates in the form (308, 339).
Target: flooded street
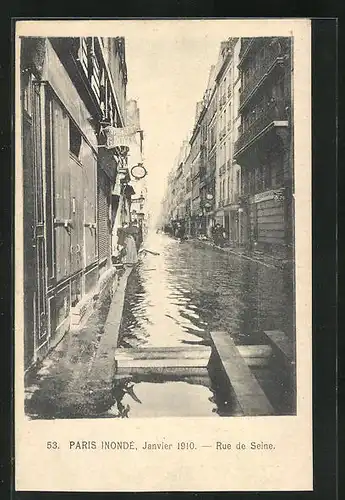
(190, 289)
(172, 302)
(178, 297)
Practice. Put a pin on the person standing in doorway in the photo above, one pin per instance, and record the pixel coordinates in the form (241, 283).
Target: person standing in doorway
(121, 235)
(131, 255)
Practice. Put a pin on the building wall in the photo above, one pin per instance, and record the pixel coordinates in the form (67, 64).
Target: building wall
(264, 146)
(228, 175)
(67, 190)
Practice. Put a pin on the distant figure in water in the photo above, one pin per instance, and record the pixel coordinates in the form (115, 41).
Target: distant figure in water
(131, 254)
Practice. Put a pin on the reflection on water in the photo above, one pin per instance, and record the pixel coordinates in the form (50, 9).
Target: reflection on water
(152, 399)
(188, 290)
(185, 292)
(172, 299)
(161, 395)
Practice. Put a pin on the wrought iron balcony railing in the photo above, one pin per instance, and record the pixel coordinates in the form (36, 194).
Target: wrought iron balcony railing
(274, 58)
(276, 115)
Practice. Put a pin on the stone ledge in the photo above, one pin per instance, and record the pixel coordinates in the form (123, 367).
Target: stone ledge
(86, 306)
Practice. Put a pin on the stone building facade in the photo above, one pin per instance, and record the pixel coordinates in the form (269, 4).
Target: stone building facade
(70, 89)
(264, 148)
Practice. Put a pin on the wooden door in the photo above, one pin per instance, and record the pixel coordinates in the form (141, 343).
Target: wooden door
(89, 162)
(29, 242)
(62, 192)
(77, 215)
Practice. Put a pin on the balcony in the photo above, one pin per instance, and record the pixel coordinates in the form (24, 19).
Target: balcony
(273, 59)
(275, 116)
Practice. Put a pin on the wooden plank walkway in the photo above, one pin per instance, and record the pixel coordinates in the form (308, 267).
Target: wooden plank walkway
(282, 341)
(251, 397)
(162, 359)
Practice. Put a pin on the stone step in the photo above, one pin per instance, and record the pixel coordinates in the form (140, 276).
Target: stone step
(166, 362)
(152, 353)
(255, 351)
(282, 341)
(168, 357)
(172, 372)
(250, 395)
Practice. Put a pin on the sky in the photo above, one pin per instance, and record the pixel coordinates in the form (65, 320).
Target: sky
(168, 64)
(168, 67)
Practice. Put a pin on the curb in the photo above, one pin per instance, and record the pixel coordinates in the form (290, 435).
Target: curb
(280, 264)
(103, 366)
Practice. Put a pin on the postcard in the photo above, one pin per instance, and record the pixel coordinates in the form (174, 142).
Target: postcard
(163, 336)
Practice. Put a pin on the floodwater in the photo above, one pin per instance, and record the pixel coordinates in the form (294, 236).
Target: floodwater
(177, 297)
(173, 299)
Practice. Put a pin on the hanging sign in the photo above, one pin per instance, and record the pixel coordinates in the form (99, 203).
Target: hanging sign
(120, 136)
(277, 195)
(138, 171)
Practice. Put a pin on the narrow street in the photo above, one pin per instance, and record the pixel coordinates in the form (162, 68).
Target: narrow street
(191, 289)
(172, 299)
(177, 297)
(202, 323)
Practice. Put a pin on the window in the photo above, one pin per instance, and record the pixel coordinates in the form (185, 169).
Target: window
(230, 144)
(74, 139)
(238, 186)
(27, 94)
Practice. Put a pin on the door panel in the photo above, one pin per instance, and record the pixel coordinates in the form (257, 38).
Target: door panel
(62, 195)
(77, 216)
(29, 242)
(90, 198)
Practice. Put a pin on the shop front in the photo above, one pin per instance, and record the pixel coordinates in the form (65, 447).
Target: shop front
(268, 222)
